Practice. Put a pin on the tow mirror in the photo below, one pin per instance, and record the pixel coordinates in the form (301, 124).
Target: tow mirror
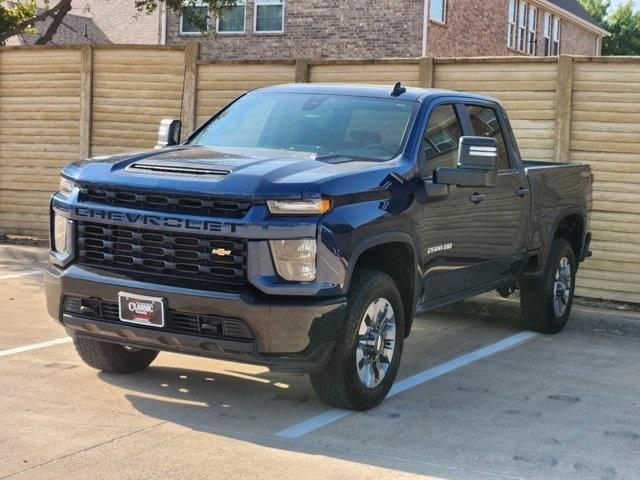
(477, 164)
(168, 133)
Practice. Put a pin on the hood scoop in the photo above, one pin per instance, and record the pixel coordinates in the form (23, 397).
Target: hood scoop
(190, 168)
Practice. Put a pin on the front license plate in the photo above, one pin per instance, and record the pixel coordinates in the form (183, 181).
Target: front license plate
(141, 310)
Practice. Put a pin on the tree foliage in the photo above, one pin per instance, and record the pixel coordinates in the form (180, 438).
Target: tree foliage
(622, 22)
(21, 17)
(14, 15)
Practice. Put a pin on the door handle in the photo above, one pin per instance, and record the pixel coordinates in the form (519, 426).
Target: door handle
(477, 197)
(522, 191)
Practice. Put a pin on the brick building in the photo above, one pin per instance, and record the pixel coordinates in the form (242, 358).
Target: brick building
(270, 29)
(339, 29)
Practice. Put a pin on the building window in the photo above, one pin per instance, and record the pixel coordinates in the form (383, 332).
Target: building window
(232, 19)
(269, 16)
(557, 26)
(532, 37)
(194, 20)
(438, 11)
(522, 26)
(551, 30)
(546, 30)
(513, 21)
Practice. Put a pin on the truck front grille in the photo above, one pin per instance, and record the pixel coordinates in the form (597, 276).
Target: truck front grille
(166, 202)
(176, 322)
(169, 254)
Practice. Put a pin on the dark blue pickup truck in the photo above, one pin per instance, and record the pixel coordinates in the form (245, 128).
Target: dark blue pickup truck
(302, 227)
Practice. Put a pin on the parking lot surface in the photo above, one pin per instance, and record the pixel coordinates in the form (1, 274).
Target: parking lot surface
(477, 405)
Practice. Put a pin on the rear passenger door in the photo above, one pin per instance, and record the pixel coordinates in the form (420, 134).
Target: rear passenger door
(506, 206)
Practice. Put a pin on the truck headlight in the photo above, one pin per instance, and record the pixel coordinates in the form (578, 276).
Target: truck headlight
(66, 186)
(61, 233)
(295, 260)
(313, 206)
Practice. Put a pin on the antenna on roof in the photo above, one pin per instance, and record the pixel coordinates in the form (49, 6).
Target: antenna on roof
(398, 90)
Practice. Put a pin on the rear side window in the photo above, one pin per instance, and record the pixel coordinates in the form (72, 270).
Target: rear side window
(441, 140)
(485, 124)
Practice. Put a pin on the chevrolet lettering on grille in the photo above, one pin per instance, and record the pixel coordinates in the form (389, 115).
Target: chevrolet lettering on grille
(154, 220)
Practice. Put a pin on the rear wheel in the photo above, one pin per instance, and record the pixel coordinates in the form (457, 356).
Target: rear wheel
(113, 358)
(366, 357)
(546, 302)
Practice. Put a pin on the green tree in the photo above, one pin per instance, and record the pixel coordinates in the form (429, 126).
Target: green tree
(624, 26)
(598, 9)
(622, 22)
(13, 15)
(22, 17)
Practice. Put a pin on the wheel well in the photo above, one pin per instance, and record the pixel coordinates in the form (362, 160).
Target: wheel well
(571, 228)
(396, 259)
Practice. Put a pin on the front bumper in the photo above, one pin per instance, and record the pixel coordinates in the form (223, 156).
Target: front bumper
(289, 335)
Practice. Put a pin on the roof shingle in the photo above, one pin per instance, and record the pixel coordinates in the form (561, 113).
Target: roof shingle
(573, 6)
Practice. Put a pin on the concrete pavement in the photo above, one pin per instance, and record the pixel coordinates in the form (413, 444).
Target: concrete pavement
(561, 407)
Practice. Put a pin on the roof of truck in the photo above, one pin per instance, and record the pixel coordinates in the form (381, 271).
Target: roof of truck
(375, 91)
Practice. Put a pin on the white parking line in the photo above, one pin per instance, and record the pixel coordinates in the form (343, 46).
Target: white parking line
(35, 346)
(21, 274)
(332, 415)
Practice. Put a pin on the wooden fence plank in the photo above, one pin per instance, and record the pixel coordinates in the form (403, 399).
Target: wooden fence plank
(564, 91)
(86, 100)
(189, 89)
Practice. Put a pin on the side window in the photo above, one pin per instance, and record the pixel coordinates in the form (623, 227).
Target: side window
(441, 140)
(485, 124)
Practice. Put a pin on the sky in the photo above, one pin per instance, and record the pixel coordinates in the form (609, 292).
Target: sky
(616, 2)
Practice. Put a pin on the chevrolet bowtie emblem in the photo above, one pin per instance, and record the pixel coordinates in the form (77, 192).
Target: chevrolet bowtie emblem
(221, 252)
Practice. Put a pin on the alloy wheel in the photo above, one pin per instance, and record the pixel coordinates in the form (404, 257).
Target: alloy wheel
(562, 287)
(376, 343)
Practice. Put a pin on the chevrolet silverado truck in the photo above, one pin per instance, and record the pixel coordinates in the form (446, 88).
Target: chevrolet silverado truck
(303, 226)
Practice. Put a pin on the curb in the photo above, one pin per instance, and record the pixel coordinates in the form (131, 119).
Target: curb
(582, 318)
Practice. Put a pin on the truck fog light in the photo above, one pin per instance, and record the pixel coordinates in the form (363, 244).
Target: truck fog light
(61, 233)
(295, 260)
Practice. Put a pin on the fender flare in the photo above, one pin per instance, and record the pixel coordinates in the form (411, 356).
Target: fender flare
(382, 239)
(561, 215)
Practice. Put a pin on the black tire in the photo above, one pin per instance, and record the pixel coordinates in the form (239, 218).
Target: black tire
(339, 384)
(113, 358)
(537, 296)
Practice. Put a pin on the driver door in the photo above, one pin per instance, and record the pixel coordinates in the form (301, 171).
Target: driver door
(453, 231)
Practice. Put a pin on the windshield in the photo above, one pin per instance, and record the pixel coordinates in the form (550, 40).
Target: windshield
(324, 125)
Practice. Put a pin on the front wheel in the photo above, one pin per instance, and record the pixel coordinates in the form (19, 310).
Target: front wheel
(113, 358)
(546, 302)
(366, 357)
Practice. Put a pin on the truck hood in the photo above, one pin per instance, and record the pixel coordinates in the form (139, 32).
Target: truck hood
(225, 171)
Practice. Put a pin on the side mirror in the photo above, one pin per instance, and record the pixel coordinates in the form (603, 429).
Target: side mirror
(168, 133)
(477, 164)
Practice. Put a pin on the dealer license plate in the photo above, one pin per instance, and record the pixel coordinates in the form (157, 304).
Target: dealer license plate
(141, 310)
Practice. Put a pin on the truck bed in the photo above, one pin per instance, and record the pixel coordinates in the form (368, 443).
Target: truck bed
(556, 188)
(544, 164)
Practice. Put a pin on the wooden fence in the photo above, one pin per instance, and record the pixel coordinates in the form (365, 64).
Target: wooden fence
(58, 104)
